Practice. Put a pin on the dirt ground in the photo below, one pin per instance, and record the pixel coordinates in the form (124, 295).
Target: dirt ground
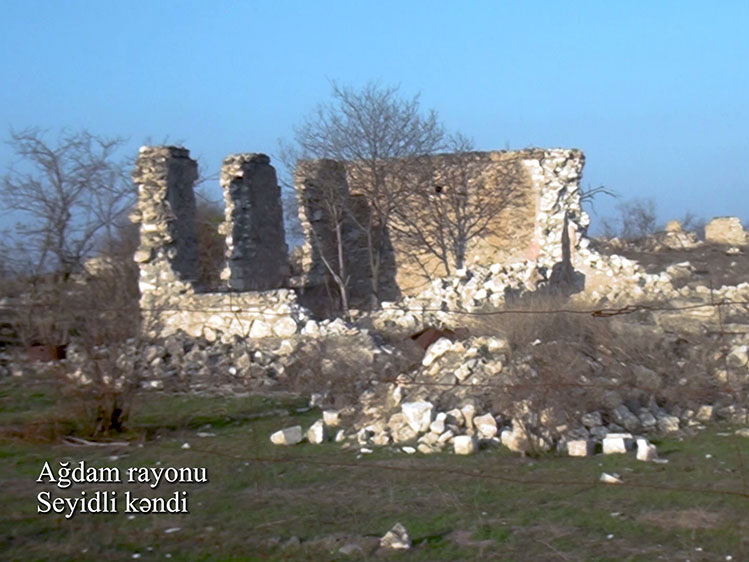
(713, 266)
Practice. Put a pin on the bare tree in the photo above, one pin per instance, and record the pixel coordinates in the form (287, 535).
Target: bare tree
(67, 194)
(327, 202)
(451, 204)
(635, 220)
(376, 132)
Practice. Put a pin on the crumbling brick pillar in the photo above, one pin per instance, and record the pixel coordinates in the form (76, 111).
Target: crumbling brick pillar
(167, 255)
(256, 251)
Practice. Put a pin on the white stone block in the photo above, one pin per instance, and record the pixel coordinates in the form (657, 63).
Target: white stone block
(331, 418)
(311, 328)
(468, 412)
(418, 415)
(646, 451)
(284, 327)
(445, 437)
(287, 436)
(486, 425)
(316, 434)
(706, 413)
(438, 425)
(396, 538)
(617, 443)
(465, 445)
(580, 448)
(611, 478)
(435, 351)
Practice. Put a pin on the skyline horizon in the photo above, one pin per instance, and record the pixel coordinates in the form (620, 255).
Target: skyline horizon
(654, 95)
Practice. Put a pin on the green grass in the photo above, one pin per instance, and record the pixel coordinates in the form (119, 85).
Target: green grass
(494, 505)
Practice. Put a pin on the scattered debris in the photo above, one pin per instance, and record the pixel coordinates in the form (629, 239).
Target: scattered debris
(646, 451)
(611, 478)
(396, 538)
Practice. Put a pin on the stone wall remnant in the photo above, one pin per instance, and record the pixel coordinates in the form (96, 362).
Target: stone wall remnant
(256, 251)
(167, 254)
(675, 237)
(322, 193)
(726, 230)
(554, 180)
(545, 200)
(337, 226)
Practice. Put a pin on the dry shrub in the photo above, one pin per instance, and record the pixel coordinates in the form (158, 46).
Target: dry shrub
(102, 380)
(565, 361)
(101, 391)
(340, 369)
(92, 314)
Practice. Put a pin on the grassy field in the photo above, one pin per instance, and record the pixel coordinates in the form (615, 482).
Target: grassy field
(305, 502)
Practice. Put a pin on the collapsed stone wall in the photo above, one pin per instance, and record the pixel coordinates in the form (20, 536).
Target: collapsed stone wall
(171, 299)
(542, 187)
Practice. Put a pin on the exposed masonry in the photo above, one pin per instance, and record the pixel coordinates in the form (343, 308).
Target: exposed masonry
(555, 175)
(316, 215)
(254, 301)
(530, 228)
(323, 191)
(167, 254)
(256, 252)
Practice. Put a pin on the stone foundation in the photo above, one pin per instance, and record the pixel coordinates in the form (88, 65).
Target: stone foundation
(224, 316)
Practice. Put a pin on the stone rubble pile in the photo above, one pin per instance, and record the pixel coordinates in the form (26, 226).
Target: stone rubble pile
(461, 399)
(673, 237)
(726, 230)
(614, 279)
(182, 363)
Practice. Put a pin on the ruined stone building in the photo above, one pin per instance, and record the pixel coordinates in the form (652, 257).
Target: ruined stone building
(540, 187)
(526, 198)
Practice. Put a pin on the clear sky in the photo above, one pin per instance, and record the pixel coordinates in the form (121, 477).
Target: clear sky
(656, 93)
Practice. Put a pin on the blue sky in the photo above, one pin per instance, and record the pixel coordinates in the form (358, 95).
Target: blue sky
(655, 93)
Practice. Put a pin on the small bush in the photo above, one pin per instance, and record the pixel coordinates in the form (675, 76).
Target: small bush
(565, 362)
(340, 369)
